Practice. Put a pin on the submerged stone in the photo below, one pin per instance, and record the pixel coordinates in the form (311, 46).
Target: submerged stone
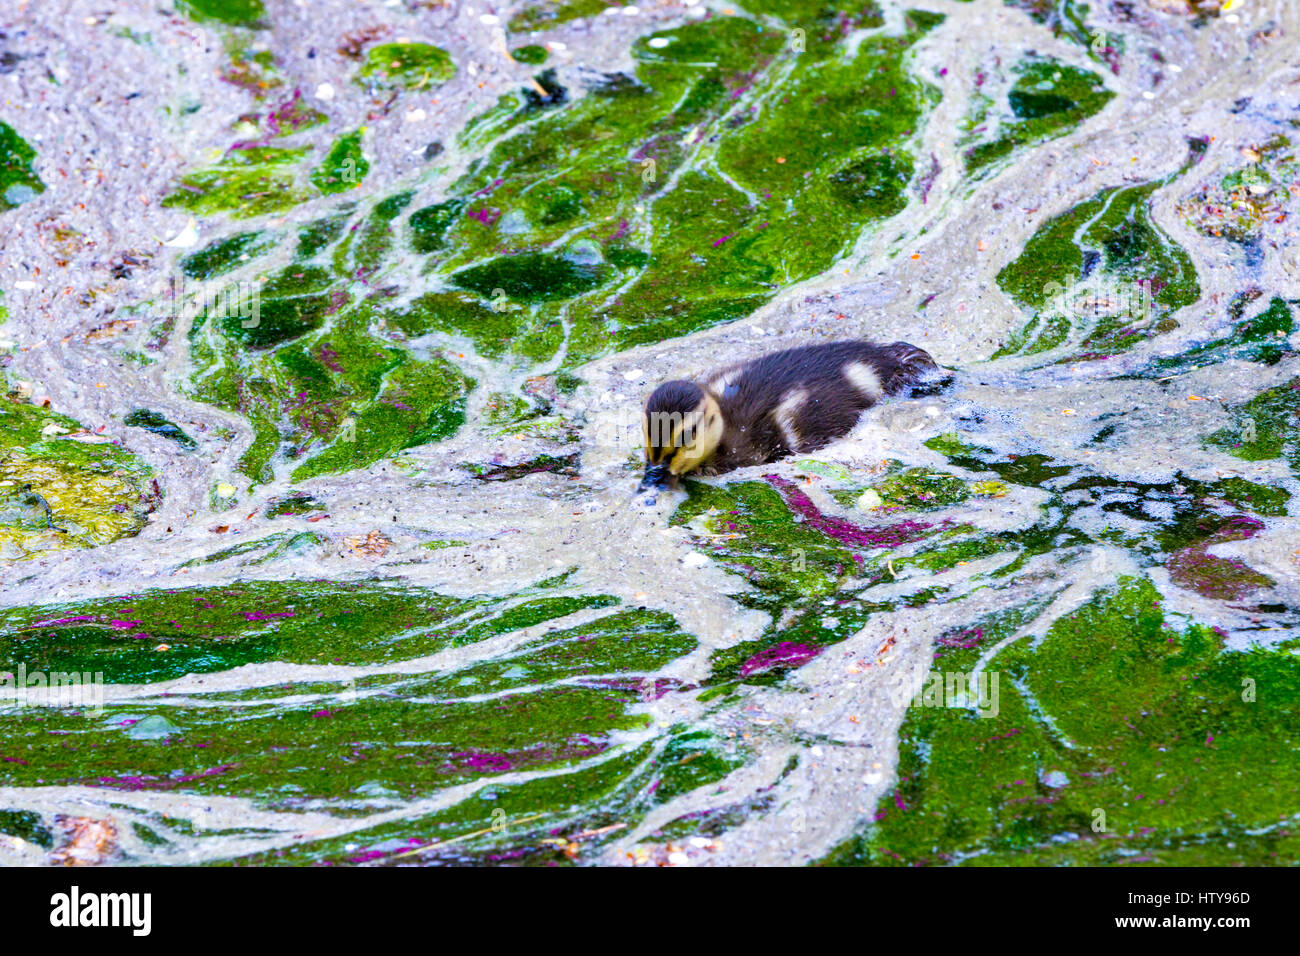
(159, 425)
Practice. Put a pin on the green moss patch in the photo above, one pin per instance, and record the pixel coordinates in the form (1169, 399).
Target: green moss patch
(1119, 737)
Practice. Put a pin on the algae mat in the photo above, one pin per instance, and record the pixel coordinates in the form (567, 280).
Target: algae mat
(324, 331)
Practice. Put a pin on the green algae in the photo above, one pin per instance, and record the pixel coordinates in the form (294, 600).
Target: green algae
(418, 402)
(719, 244)
(245, 183)
(1100, 277)
(1117, 737)
(374, 238)
(319, 234)
(1068, 19)
(291, 303)
(1047, 100)
(234, 12)
(567, 465)
(1224, 579)
(555, 705)
(784, 559)
(625, 643)
(510, 822)
(429, 225)
(344, 167)
(205, 630)
(504, 115)
(1261, 499)
(532, 54)
(307, 754)
(553, 13)
(812, 572)
(225, 255)
(491, 330)
(1170, 523)
(291, 505)
(26, 825)
(946, 557)
(254, 178)
(412, 66)
(921, 489)
(291, 116)
(301, 360)
(264, 550)
(530, 277)
(950, 445)
(59, 492)
(692, 759)
(1261, 339)
(1265, 427)
(18, 180)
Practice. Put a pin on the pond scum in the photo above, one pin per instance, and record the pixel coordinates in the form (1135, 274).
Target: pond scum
(787, 665)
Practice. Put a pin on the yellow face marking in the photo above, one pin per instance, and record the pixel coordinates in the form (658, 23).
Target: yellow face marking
(692, 440)
(703, 431)
(653, 432)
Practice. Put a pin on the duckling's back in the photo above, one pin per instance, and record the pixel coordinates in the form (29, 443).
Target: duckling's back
(803, 398)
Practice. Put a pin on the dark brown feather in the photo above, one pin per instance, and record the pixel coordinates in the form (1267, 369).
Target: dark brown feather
(833, 406)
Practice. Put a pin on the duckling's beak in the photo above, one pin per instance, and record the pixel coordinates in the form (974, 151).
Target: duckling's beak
(657, 478)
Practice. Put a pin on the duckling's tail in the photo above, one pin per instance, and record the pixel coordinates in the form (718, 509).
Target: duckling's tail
(911, 366)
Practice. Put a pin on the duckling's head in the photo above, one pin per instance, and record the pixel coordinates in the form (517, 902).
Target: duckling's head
(683, 426)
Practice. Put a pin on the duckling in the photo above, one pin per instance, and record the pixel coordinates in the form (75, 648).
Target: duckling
(789, 402)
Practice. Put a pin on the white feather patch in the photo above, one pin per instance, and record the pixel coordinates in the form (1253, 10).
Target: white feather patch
(727, 377)
(784, 414)
(864, 378)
